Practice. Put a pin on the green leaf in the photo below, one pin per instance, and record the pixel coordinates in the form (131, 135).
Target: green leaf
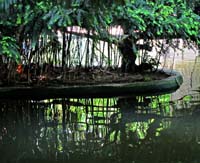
(19, 19)
(9, 48)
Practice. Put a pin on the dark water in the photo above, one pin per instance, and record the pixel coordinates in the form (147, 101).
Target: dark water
(163, 129)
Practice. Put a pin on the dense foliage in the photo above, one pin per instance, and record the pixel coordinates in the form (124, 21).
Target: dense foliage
(32, 21)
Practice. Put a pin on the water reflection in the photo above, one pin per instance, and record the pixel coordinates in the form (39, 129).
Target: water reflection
(138, 129)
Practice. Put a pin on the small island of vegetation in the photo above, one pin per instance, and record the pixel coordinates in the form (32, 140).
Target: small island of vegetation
(81, 42)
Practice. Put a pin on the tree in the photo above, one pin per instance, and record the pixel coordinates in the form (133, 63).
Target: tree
(157, 20)
(140, 19)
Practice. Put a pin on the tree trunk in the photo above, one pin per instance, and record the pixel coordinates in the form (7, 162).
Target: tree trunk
(11, 72)
(128, 55)
(64, 51)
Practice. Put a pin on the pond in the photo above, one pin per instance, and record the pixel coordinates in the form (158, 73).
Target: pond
(159, 129)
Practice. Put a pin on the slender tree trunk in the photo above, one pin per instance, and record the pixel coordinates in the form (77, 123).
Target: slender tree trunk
(63, 51)
(11, 71)
(109, 53)
(87, 50)
(93, 52)
(1, 60)
(69, 40)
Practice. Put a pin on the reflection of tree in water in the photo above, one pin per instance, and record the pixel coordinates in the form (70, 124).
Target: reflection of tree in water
(123, 130)
(178, 142)
(54, 129)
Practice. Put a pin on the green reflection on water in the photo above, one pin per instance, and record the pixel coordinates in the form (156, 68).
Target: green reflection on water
(137, 129)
